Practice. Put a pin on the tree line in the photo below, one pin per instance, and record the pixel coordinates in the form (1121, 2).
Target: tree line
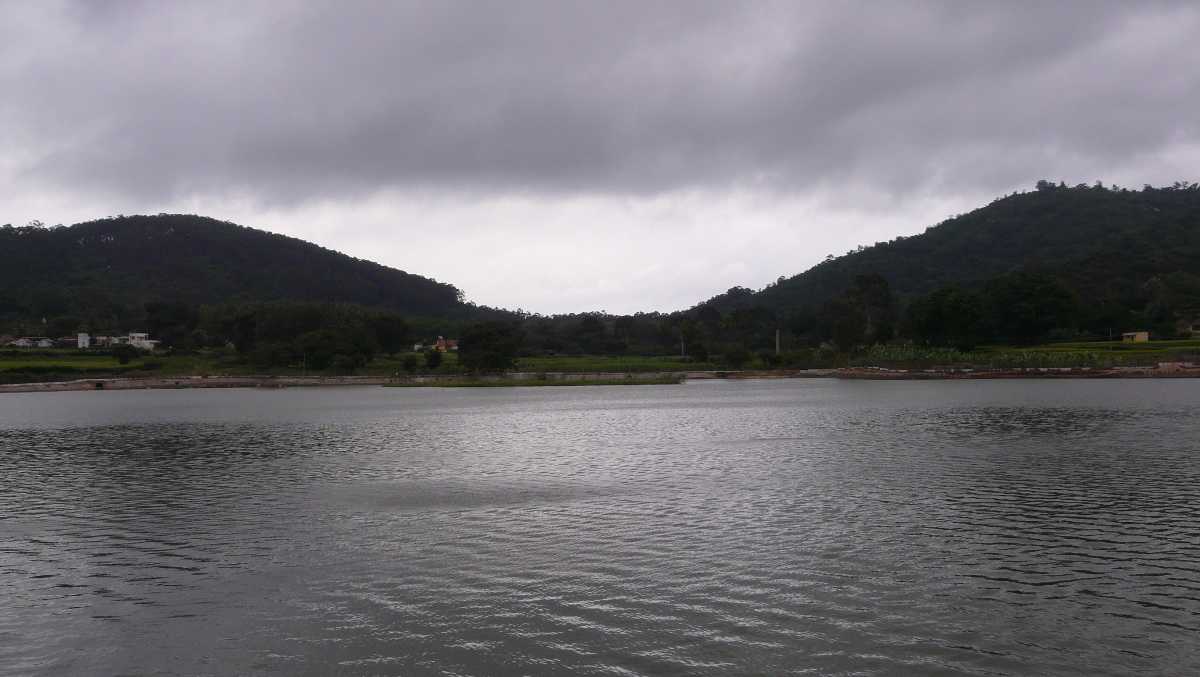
(1020, 308)
(324, 336)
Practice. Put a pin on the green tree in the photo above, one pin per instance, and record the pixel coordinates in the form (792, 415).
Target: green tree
(125, 352)
(62, 326)
(274, 354)
(844, 323)
(590, 334)
(872, 296)
(391, 332)
(737, 357)
(171, 322)
(433, 359)
(318, 348)
(624, 327)
(768, 359)
(489, 347)
(1025, 307)
(410, 363)
(949, 317)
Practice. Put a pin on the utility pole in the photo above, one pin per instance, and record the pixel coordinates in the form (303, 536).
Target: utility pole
(777, 341)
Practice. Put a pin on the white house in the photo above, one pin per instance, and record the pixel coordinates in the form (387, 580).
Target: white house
(142, 341)
(83, 341)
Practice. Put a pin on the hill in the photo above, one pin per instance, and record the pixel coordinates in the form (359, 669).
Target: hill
(1117, 250)
(1051, 264)
(105, 271)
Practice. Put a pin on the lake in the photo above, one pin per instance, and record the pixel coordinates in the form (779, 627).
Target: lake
(714, 528)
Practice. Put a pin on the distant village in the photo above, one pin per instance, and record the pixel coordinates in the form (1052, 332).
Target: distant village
(82, 341)
(142, 341)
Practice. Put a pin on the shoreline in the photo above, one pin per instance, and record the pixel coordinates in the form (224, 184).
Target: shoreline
(532, 379)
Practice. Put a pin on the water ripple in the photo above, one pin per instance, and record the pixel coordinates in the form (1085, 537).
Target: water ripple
(812, 527)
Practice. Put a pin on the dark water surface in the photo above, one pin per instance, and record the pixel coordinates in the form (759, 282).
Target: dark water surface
(754, 528)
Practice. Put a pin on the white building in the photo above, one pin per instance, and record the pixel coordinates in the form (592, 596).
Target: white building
(84, 341)
(141, 341)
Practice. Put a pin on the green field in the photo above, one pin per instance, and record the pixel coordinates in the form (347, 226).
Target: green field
(1098, 354)
(65, 365)
(1150, 347)
(20, 363)
(30, 368)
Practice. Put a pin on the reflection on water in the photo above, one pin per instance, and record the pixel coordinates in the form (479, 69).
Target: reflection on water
(716, 528)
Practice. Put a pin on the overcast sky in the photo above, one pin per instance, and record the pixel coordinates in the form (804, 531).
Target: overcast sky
(565, 156)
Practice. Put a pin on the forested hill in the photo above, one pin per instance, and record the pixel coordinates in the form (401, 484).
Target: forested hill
(1108, 246)
(111, 268)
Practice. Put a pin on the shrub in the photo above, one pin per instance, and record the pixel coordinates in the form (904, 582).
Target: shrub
(433, 359)
(124, 353)
(737, 358)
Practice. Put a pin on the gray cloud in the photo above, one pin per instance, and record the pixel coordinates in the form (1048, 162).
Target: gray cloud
(285, 104)
(330, 99)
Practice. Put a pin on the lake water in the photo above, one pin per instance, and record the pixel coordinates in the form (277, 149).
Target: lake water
(713, 528)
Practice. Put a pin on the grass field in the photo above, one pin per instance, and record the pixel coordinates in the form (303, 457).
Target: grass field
(1072, 354)
(17, 364)
(1150, 347)
(65, 365)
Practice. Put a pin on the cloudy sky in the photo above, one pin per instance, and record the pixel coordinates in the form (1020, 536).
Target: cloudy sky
(563, 156)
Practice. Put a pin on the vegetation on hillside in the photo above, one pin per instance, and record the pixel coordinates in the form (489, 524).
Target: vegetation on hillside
(1129, 257)
(103, 273)
(1060, 263)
